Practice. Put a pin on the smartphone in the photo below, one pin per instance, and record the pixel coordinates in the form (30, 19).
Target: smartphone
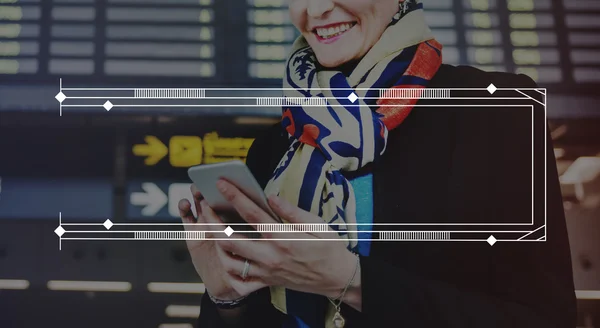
(205, 178)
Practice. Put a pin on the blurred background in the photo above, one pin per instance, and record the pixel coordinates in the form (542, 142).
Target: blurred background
(92, 165)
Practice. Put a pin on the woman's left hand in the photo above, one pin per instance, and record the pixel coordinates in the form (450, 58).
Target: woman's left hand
(312, 265)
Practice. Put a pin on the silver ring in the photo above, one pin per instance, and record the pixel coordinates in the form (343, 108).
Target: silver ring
(246, 269)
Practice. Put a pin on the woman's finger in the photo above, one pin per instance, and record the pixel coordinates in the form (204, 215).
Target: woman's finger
(185, 212)
(214, 223)
(249, 249)
(197, 196)
(234, 264)
(246, 287)
(293, 214)
(245, 207)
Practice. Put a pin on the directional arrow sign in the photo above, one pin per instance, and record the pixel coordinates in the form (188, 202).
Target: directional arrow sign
(154, 150)
(152, 198)
(186, 151)
(177, 192)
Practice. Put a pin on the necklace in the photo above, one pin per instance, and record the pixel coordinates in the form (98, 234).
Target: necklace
(338, 319)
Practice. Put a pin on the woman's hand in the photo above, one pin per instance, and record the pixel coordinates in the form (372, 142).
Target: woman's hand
(205, 253)
(319, 264)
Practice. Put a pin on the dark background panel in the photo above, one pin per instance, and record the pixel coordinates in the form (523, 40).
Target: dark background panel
(42, 151)
(220, 43)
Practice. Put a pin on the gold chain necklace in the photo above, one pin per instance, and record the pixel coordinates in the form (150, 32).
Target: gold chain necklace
(338, 319)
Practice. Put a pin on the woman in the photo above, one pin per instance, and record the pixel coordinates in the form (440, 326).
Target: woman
(364, 159)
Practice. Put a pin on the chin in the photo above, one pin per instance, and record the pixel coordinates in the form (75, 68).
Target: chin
(331, 61)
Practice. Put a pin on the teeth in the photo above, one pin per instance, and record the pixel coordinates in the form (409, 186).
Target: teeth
(333, 31)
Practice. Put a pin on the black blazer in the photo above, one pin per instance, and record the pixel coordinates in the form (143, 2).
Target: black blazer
(449, 164)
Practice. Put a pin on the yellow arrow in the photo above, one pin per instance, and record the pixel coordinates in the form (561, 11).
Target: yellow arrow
(154, 149)
(185, 151)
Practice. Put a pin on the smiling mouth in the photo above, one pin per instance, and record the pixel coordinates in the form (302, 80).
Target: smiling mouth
(333, 31)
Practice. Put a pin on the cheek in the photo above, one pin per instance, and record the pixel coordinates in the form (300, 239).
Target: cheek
(381, 15)
(382, 11)
(297, 14)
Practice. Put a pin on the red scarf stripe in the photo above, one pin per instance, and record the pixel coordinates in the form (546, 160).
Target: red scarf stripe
(425, 64)
(426, 61)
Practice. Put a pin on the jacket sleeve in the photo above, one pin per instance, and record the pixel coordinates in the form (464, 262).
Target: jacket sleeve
(530, 283)
(258, 312)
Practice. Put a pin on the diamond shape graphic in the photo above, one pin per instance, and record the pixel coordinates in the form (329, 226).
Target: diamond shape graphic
(228, 231)
(492, 240)
(492, 89)
(60, 97)
(107, 224)
(59, 231)
(353, 97)
(108, 105)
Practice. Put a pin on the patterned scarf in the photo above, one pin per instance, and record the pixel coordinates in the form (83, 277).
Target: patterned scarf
(338, 123)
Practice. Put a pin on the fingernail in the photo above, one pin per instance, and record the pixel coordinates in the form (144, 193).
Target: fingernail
(222, 186)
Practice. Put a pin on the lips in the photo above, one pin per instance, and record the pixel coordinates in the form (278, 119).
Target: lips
(333, 30)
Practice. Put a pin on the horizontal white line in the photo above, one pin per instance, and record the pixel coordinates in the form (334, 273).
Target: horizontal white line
(293, 89)
(14, 284)
(166, 98)
(348, 224)
(296, 231)
(176, 287)
(283, 98)
(92, 286)
(254, 105)
(588, 294)
(183, 311)
(301, 239)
